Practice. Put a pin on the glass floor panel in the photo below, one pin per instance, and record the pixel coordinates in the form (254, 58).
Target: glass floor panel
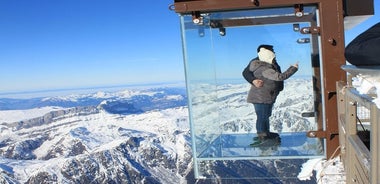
(237, 146)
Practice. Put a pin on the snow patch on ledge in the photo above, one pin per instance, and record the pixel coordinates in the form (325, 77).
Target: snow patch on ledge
(367, 85)
(326, 171)
(366, 79)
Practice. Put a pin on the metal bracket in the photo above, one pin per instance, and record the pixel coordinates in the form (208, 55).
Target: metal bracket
(298, 10)
(322, 134)
(197, 18)
(310, 30)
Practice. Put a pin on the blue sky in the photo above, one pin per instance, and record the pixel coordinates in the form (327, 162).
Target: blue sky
(50, 44)
(47, 44)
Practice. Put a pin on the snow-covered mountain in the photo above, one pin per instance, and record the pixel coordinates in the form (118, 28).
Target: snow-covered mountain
(123, 137)
(130, 136)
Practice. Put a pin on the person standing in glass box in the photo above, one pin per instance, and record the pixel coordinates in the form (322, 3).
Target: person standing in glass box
(264, 75)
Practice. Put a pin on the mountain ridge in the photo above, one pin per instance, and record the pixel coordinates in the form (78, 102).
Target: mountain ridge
(107, 143)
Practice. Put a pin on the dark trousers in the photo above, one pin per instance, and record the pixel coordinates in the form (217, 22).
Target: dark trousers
(263, 112)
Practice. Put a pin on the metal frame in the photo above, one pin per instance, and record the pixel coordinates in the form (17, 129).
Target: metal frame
(331, 35)
(360, 163)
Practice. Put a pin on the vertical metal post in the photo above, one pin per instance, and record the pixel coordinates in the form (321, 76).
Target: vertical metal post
(342, 122)
(332, 58)
(351, 112)
(375, 147)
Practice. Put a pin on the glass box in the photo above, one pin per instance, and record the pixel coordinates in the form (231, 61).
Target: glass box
(217, 47)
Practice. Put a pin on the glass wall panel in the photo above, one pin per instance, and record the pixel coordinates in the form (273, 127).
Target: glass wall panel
(201, 85)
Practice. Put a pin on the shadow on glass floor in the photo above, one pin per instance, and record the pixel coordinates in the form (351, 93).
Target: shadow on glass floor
(293, 145)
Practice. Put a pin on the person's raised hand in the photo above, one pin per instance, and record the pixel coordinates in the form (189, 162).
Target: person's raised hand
(295, 65)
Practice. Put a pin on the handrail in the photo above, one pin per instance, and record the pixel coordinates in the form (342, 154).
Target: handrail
(361, 162)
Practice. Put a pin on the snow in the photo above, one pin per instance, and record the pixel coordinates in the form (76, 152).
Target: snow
(10, 116)
(307, 169)
(327, 171)
(174, 97)
(99, 132)
(368, 85)
(366, 79)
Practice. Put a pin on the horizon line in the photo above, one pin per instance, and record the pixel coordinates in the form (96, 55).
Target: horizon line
(33, 91)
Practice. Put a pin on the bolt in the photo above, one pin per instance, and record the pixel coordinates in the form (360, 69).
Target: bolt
(332, 41)
(312, 134)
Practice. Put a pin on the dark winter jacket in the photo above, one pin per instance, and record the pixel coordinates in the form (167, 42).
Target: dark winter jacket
(271, 76)
(249, 76)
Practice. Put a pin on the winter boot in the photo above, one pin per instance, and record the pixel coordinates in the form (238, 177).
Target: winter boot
(260, 136)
